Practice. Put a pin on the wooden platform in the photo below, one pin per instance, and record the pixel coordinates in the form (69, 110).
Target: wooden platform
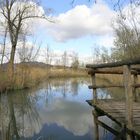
(116, 110)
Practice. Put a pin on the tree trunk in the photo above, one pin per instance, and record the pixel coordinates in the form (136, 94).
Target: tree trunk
(11, 65)
(14, 128)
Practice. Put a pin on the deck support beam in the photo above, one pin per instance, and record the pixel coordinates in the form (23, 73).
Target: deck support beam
(96, 128)
(135, 89)
(129, 97)
(94, 90)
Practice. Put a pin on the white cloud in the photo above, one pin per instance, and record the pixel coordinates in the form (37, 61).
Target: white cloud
(81, 21)
(106, 41)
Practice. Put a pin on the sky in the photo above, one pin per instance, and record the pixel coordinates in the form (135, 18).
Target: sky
(78, 27)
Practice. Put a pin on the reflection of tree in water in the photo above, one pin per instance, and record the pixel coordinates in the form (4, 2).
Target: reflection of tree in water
(18, 110)
(100, 132)
(69, 85)
(15, 109)
(12, 131)
(74, 87)
(111, 93)
(117, 93)
(48, 93)
(60, 85)
(64, 90)
(102, 94)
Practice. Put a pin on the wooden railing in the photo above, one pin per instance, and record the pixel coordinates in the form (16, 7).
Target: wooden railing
(127, 69)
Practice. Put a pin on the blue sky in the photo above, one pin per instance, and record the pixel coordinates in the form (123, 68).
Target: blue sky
(79, 27)
(60, 6)
(64, 37)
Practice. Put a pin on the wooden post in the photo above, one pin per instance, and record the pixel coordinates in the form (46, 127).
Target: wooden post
(135, 89)
(129, 97)
(96, 128)
(94, 90)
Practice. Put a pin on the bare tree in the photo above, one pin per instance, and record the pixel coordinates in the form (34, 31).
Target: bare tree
(48, 55)
(96, 52)
(64, 59)
(75, 61)
(28, 52)
(127, 33)
(16, 13)
(105, 57)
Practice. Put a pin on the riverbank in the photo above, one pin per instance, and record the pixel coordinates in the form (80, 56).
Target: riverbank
(27, 76)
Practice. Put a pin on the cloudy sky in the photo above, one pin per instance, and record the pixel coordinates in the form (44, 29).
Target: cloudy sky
(78, 27)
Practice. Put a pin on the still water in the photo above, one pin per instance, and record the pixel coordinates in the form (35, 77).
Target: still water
(55, 110)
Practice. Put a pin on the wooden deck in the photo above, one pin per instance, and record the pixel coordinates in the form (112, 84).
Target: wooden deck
(116, 111)
(126, 113)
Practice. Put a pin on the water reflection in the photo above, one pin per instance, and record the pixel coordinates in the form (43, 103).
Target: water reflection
(99, 132)
(55, 110)
(15, 109)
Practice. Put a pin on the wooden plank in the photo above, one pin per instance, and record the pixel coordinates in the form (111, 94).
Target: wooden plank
(111, 107)
(111, 86)
(115, 64)
(91, 72)
(104, 86)
(136, 85)
(136, 69)
(97, 107)
(119, 115)
(110, 71)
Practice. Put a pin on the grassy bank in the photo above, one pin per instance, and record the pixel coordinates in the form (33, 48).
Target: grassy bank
(109, 79)
(27, 75)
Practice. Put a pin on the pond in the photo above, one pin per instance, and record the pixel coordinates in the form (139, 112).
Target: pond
(54, 110)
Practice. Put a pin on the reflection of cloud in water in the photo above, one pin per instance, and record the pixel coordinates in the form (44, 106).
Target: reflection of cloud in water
(73, 116)
(103, 94)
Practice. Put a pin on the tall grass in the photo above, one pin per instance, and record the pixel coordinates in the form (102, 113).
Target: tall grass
(26, 76)
(4, 82)
(109, 79)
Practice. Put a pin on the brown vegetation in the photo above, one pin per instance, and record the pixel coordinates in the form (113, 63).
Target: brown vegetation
(26, 75)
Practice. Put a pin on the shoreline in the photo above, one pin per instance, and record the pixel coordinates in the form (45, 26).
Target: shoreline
(26, 77)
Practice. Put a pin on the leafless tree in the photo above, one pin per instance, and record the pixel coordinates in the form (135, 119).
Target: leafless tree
(16, 13)
(127, 33)
(96, 52)
(105, 57)
(48, 55)
(64, 59)
(75, 61)
(28, 53)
